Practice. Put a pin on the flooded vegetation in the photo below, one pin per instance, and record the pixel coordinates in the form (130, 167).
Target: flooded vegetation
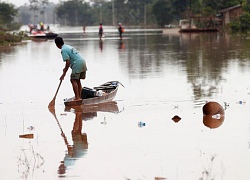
(154, 129)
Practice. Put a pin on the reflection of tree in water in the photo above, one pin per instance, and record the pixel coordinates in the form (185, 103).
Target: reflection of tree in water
(5, 50)
(204, 56)
(204, 71)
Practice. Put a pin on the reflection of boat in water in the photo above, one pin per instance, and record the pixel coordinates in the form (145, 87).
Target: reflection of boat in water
(100, 94)
(90, 111)
(103, 107)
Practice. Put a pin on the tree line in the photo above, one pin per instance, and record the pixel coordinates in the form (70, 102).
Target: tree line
(110, 12)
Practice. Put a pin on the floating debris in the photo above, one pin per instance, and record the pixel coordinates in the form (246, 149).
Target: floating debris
(226, 105)
(176, 118)
(213, 115)
(160, 178)
(31, 128)
(141, 124)
(104, 122)
(212, 108)
(27, 136)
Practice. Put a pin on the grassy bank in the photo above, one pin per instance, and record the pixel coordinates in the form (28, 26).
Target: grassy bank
(7, 38)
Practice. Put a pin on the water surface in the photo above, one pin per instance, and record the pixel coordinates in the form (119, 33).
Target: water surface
(163, 75)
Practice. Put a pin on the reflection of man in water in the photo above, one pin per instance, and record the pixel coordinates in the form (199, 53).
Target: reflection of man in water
(79, 147)
(101, 45)
(121, 45)
(83, 28)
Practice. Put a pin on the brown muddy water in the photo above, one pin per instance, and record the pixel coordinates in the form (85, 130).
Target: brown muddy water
(163, 75)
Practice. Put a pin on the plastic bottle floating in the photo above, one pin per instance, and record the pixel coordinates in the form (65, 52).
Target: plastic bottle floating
(141, 124)
(104, 122)
(216, 116)
(241, 102)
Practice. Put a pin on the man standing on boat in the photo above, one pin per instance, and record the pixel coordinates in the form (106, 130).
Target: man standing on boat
(72, 59)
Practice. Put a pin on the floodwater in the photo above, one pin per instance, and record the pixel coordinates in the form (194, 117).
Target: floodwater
(164, 75)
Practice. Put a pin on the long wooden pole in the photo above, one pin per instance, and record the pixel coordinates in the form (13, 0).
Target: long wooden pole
(52, 103)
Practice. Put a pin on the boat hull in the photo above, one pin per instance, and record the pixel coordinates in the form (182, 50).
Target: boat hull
(107, 97)
(43, 36)
(101, 107)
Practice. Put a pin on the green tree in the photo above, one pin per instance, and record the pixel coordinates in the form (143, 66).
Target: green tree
(179, 6)
(75, 12)
(163, 11)
(7, 14)
(245, 22)
(246, 5)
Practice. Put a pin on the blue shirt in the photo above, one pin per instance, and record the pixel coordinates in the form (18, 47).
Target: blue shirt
(77, 63)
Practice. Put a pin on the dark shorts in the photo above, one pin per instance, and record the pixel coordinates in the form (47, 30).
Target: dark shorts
(81, 75)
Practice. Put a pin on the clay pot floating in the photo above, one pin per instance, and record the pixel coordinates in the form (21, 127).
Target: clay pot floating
(214, 115)
(176, 119)
(213, 108)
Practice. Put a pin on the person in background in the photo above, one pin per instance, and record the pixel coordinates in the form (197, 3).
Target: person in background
(72, 59)
(100, 31)
(41, 26)
(83, 28)
(120, 30)
(31, 26)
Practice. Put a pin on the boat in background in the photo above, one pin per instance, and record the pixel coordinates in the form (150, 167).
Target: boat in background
(101, 94)
(200, 24)
(39, 34)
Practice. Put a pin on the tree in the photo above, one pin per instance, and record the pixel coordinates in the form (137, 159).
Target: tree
(7, 14)
(243, 23)
(74, 13)
(163, 11)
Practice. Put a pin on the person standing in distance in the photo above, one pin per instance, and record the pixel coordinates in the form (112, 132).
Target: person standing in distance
(72, 59)
(120, 30)
(100, 31)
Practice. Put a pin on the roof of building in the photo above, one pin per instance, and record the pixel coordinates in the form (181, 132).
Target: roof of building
(230, 8)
